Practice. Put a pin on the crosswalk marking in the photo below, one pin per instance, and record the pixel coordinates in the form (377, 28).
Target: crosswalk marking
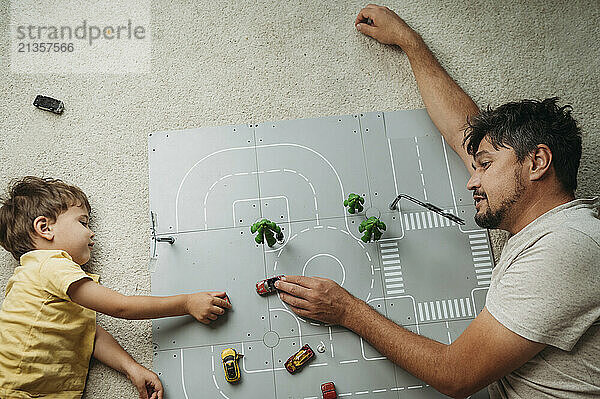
(386, 268)
(393, 274)
(391, 262)
(391, 280)
(445, 309)
(390, 256)
(395, 292)
(389, 250)
(388, 244)
(426, 220)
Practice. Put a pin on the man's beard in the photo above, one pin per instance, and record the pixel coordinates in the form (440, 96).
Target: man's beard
(492, 220)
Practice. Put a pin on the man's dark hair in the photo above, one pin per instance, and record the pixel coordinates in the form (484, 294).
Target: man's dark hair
(523, 125)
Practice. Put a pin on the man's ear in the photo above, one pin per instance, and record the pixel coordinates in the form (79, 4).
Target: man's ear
(541, 160)
(43, 227)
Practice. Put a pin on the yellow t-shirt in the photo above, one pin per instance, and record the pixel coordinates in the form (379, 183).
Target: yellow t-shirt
(46, 340)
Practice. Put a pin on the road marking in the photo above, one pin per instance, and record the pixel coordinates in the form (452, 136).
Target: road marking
(391, 250)
(379, 390)
(362, 392)
(348, 361)
(462, 306)
(476, 247)
(445, 309)
(391, 280)
(388, 244)
(482, 235)
(420, 311)
(390, 256)
(482, 276)
(393, 274)
(406, 221)
(391, 262)
(396, 292)
(394, 285)
(484, 282)
(487, 270)
(432, 311)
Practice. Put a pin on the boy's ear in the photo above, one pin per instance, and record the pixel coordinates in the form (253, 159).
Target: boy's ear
(43, 227)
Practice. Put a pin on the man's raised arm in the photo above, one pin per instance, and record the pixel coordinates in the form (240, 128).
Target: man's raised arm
(447, 104)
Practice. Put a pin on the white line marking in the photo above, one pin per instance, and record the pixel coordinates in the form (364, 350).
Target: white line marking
(456, 307)
(348, 361)
(439, 310)
(482, 276)
(478, 235)
(396, 292)
(417, 219)
(483, 264)
(486, 270)
(317, 365)
(391, 262)
(391, 280)
(379, 390)
(362, 392)
(390, 256)
(477, 242)
(432, 311)
(468, 306)
(483, 258)
(476, 247)
(462, 306)
(388, 244)
(484, 282)
(391, 250)
(445, 309)
(394, 285)
(429, 218)
(415, 386)
(183, 379)
(426, 307)
(388, 268)
(420, 311)
(481, 253)
(393, 274)
(406, 221)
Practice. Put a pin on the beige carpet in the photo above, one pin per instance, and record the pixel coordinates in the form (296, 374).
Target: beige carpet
(218, 63)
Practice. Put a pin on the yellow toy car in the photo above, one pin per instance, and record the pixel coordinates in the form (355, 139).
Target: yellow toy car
(299, 359)
(230, 364)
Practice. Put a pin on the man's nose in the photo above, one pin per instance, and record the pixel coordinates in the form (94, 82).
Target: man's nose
(473, 182)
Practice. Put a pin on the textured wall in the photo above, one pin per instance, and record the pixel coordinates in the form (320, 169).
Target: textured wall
(217, 63)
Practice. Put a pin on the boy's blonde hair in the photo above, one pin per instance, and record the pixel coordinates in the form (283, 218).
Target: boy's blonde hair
(29, 198)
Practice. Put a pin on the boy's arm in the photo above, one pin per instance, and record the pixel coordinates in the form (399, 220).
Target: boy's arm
(108, 351)
(447, 103)
(204, 306)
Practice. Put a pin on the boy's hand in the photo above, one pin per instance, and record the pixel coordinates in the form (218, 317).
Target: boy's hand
(146, 382)
(206, 306)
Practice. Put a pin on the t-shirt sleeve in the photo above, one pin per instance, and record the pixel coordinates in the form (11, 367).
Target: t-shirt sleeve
(58, 273)
(549, 293)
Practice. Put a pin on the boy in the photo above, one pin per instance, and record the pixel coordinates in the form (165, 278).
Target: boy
(48, 329)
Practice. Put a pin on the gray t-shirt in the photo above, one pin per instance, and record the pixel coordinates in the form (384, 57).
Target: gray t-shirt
(546, 288)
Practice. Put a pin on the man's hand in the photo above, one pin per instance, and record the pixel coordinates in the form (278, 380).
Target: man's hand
(146, 382)
(316, 298)
(387, 26)
(206, 306)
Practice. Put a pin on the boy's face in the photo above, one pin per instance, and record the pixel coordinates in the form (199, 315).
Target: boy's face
(72, 234)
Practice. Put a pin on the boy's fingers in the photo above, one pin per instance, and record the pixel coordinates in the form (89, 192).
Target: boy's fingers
(221, 303)
(217, 310)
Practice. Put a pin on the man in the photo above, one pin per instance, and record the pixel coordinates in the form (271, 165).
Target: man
(538, 335)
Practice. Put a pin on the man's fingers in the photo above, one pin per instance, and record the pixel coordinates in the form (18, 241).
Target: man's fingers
(362, 16)
(143, 392)
(300, 311)
(294, 301)
(307, 282)
(212, 316)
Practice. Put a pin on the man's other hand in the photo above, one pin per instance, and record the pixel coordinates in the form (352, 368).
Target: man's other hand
(316, 298)
(387, 27)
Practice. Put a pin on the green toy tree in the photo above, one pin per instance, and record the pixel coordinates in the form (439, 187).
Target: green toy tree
(372, 228)
(354, 203)
(266, 229)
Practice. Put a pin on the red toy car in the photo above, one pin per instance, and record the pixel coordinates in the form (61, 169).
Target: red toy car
(328, 390)
(267, 286)
(299, 359)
